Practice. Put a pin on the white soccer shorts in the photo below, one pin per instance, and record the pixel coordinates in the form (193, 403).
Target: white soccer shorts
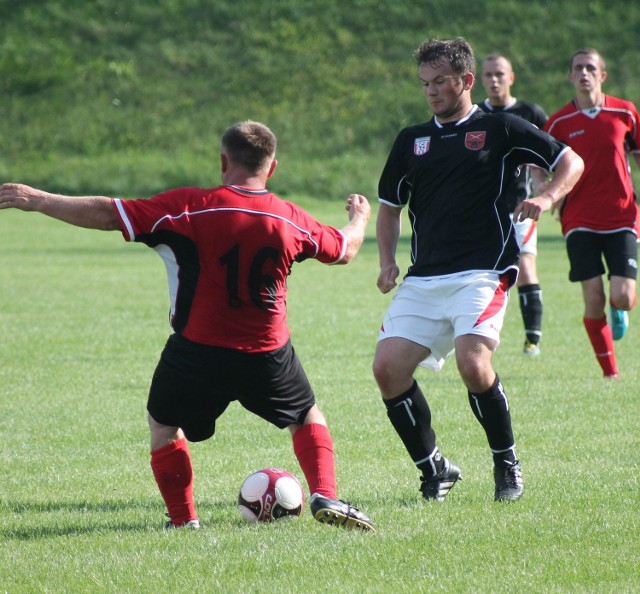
(527, 236)
(432, 312)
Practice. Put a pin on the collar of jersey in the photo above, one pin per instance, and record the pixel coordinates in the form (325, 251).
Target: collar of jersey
(591, 111)
(501, 107)
(247, 191)
(461, 121)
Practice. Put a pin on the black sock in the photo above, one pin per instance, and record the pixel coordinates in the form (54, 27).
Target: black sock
(531, 309)
(411, 418)
(491, 408)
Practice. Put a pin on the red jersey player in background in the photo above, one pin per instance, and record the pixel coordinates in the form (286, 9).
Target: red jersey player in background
(228, 252)
(599, 215)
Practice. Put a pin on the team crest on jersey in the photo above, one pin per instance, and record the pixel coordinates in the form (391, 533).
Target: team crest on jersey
(421, 145)
(475, 140)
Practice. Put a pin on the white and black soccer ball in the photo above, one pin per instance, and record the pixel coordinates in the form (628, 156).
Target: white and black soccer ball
(270, 494)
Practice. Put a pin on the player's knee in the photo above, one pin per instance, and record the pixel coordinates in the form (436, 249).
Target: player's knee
(382, 371)
(162, 435)
(314, 416)
(389, 377)
(624, 301)
(470, 373)
(476, 373)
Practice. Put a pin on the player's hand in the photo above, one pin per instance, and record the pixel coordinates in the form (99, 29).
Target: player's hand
(358, 206)
(17, 196)
(387, 277)
(532, 208)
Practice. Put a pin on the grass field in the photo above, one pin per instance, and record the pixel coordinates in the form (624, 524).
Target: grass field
(109, 96)
(82, 322)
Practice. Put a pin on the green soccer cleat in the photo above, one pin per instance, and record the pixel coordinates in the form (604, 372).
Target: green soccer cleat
(619, 322)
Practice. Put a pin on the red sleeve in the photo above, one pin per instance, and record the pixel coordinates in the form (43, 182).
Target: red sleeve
(634, 144)
(144, 215)
(325, 243)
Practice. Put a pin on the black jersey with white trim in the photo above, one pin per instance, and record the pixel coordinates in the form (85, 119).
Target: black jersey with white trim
(520, 188)
(452, 177)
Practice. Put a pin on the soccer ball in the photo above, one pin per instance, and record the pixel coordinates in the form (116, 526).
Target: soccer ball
(270, 494)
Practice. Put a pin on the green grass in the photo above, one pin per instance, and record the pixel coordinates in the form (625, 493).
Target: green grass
(107, 97)
(82, 323)
(130, 98)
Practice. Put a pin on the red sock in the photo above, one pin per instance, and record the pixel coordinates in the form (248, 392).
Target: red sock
(602, 342)
(171, 465)
(313, 447)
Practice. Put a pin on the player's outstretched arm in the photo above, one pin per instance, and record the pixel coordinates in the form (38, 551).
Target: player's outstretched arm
(566, 174)
(359, 212)
(92, 212)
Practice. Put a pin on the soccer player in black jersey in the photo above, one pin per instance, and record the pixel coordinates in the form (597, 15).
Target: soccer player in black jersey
(497, 79)
(451, 172)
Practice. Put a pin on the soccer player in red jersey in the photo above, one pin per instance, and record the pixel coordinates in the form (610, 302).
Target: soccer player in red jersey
(228, 252)
(599, 215)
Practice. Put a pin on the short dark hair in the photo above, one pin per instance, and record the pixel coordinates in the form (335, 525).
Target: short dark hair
(497, 56)
(457, 51)
(250, 145)
(588, 51)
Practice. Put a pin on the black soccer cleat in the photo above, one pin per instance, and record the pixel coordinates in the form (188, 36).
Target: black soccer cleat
(438, 486)
(190, 525)
(339, 513)
(509, 484)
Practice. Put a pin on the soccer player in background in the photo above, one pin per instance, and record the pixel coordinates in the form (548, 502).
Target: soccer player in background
(464, 257)
(228, 252)
(497, 80)
(599, 215)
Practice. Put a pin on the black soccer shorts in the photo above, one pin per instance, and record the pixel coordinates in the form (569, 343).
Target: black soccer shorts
(587, 248)
(193, 384)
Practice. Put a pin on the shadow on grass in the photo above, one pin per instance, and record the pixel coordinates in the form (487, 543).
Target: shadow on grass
(20, 507)
(88, 517)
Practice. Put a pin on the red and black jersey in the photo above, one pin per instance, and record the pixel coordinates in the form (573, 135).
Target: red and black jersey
(452, 177)
(228, 252)
(604, 198)
(520, 188)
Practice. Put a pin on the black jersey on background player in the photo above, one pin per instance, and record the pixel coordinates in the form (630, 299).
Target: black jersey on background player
(459, 214)
(521, 186)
